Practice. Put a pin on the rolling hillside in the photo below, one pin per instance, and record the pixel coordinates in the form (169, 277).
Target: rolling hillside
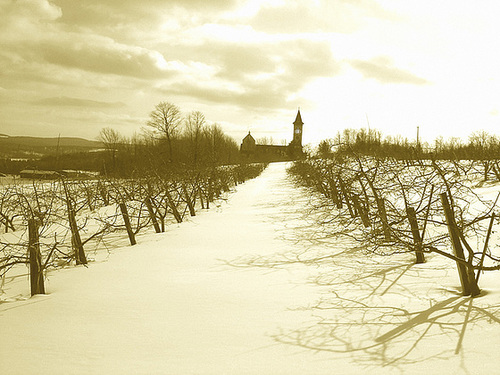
(25, 146)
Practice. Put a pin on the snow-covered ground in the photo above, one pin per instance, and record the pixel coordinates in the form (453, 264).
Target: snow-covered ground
(250, 287)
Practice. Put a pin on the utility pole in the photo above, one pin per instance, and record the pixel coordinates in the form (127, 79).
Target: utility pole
(368, 123)
(57, 151)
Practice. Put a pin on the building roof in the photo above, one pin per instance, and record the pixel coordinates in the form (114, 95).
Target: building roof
(248, 137)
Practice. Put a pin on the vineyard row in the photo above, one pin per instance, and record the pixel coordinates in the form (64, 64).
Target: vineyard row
(48, 225)
(392, 206)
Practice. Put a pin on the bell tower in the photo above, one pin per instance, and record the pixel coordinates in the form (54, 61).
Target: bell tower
(297, 130)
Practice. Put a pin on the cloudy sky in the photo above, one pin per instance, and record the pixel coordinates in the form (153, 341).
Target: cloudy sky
(73, 67)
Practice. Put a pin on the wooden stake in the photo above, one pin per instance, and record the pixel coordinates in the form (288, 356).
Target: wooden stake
(35, 258)
(76, 239)
(128, 226)
(346, 199)
(383, 217)
(173, 207)
(200, 193)
(152, 214)
(104, 193)
(334, 192)
(189, 202)
(485, 246)
(361, 210)
(417, 240)
(466, 274)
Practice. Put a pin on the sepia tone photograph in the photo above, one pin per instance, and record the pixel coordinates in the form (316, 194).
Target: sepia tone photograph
(249, 187)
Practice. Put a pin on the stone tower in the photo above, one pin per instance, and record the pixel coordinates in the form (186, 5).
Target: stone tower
(297, 130)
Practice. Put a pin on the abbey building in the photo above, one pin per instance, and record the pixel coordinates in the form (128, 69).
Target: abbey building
(252, 151)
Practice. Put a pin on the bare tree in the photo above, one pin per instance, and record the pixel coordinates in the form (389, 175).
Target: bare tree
(324, 148)
(111, 139)
(221, 147)
(482, 145)
(163, 123)
(195, 123)
(480, 139)
(265, 141)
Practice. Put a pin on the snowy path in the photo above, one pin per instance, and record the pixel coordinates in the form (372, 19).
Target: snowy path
(169, 305)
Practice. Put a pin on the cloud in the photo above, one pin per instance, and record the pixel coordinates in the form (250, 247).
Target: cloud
(269, 96)
(103, 13)
(76, 102)
(103, 55)
(299, 59)
(12, 12)
(39, 32)
(90, 53)
(382, 69)
(341, 16)
(297, 18)
(25, 18)
(257, 75)
(30, 34)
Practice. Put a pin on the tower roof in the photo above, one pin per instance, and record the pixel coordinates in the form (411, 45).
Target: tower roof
(298, 119)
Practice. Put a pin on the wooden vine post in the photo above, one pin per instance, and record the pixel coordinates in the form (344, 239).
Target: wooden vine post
(466, 273)
(76, 240)
(346, 199)
(200, 195)
(103, 193)
(210, 187)
(152, 214)
(339, 193)
(35, 258)
(173, 207)
(417, 239)
(380, 204)
(383, 217)
(488, 234)
(334, 192)
(189, 201)
(128, 226)
(362, 212)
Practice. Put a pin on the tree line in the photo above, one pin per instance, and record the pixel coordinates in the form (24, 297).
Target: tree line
(168, 141)
(370, 142)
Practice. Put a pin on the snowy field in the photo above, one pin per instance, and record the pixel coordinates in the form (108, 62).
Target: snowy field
(251, 286)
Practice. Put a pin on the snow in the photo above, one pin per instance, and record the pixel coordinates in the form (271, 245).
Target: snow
(248, 287)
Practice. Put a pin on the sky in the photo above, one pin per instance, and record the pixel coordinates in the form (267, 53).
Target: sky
(71, 68)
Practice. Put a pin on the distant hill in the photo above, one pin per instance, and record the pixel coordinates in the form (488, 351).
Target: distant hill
(24, 146)
(49, 142)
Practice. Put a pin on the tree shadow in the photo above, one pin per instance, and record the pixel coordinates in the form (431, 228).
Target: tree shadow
(388, 335)
(378, 310)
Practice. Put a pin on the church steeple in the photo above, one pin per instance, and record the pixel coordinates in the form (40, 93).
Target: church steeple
(297, 130)
(298, 119)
